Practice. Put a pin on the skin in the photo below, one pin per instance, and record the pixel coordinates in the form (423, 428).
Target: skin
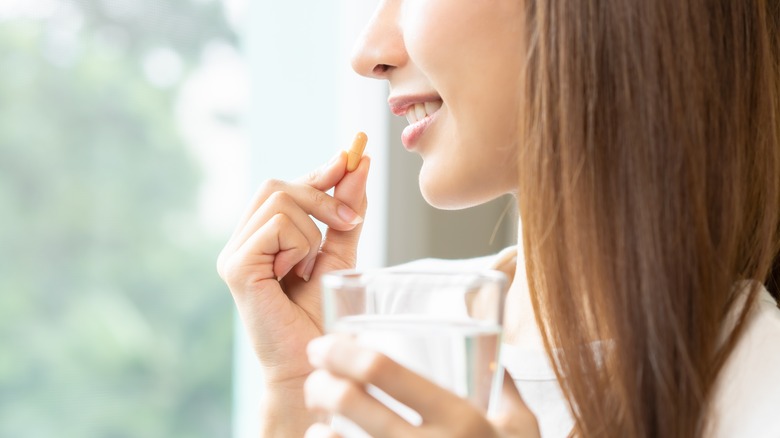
(466, 54)
(275, 239)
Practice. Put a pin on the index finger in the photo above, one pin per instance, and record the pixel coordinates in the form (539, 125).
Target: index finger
(321, 179)
(327, 176)
(343, 357)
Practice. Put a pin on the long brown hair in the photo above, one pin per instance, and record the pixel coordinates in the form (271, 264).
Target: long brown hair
(650, 186)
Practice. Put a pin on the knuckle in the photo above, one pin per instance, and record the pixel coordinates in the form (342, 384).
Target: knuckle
(268, 186)
(318, 240)
(279, 198)
(373, 365)
(312, 176)
(318, 197)
(303, 248)
(231, 272)
(315, 237)
(345, 396)
(278, 221)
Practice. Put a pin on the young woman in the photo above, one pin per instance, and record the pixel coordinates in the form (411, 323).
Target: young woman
(642, 140)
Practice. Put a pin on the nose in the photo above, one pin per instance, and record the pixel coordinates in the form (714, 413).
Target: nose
(380, 49)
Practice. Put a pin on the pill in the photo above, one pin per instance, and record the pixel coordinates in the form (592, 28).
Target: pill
(356, 151)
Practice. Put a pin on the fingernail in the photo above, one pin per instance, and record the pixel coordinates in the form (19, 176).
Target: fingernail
(318, 349)
(308, 270)
(348, 215)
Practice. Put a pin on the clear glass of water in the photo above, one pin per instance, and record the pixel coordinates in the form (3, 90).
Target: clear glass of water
(445, 326)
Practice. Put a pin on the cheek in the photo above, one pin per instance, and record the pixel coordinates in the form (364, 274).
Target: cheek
(475, 65)
(471, 55)
(442, 34)
(437, 33)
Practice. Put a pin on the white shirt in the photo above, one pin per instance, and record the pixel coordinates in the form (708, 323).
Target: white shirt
(747, 392)
(746, 400)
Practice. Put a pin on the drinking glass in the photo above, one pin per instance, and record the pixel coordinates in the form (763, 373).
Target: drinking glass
(445, 326)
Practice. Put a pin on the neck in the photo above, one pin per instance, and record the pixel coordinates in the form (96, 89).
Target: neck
(519, 319)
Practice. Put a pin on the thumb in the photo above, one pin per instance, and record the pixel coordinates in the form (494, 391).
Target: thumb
(342, 245)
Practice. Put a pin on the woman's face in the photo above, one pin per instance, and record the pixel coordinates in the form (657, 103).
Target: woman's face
(453, 67)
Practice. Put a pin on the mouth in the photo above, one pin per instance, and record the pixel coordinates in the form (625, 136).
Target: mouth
(420, 112)
(415, 107)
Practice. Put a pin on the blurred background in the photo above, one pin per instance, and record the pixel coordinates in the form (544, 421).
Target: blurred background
(132, 133)
(113, 322)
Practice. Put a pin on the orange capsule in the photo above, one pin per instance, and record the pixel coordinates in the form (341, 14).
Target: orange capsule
(356, 151)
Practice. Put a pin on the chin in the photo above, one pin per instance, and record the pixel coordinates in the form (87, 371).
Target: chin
(444, 194)
(456, 185)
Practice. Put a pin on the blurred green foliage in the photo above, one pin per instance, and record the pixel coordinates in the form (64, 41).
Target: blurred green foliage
(113, 322)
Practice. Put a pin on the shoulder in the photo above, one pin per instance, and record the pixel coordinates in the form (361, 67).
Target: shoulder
(476, 263)
(747, 394)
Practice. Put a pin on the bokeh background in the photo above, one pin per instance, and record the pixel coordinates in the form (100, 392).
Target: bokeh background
(113, 322)
(132, 134)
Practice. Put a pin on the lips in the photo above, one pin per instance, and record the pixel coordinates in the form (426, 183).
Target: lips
(420, 111)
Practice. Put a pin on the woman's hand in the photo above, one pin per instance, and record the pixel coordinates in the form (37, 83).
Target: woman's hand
(273, 261)
(338, 386)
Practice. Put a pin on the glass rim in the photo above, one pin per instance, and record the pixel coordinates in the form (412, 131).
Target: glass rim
(353, 278)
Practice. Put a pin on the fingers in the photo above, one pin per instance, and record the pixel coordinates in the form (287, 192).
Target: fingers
(343, 357)
(333, 212)
(351, 190)
(345, 370)
(327, 393)
(281, 203)
(310, 193)
(328, 175)
(270, 253)
(297, 201)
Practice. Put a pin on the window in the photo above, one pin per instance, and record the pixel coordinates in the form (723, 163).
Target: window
(132, 134)
(120, 171)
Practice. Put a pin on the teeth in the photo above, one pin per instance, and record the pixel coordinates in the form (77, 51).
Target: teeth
(419, 111)
(432, 107)
(411, 116)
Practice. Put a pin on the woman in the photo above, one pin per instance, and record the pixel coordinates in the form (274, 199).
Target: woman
(647, 141)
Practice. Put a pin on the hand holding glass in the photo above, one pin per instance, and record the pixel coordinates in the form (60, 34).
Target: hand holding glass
(444, 326)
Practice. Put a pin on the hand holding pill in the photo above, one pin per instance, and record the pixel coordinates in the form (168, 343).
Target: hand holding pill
(274, 259)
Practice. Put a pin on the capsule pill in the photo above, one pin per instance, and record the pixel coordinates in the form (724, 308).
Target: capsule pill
(356, 151)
